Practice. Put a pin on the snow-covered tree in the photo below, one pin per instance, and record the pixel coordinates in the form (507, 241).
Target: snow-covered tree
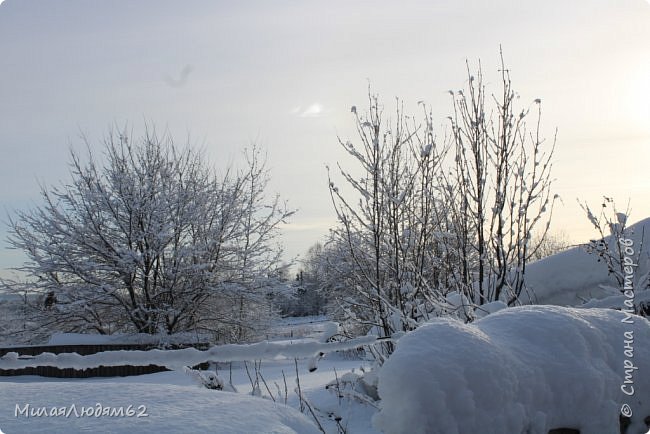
(500, 188)
(429, 228)
(150, 239)
(388, 241)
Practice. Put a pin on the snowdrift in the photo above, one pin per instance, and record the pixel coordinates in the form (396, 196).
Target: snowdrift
(574, 276)
(155, 408)
(521, 370)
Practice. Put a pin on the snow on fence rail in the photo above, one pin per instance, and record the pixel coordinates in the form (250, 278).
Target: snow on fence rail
(177, 359)
(84, 350)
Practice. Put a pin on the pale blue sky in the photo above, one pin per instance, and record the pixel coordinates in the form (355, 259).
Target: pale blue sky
(285, 73)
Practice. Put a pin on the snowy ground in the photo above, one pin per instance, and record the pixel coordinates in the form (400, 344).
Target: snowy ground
(168, 408)
(176, 403)
(520, 370)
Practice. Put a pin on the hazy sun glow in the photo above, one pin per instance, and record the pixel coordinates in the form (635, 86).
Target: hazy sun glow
(639, 94)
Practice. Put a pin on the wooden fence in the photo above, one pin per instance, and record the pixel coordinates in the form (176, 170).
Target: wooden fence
(84, 350)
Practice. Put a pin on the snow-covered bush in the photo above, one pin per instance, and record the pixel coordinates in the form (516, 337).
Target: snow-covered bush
(521, 370)
(209, 380)
(362, 387)
(622, 250)
(585, 277)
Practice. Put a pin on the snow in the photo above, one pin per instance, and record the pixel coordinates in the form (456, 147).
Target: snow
(177, 359)
(300, 327)
(527, 369)
(567, 278)
(574, 276)
(488, 308)
(514, 370)
(176, 403)
(198, 409)
(170, 408)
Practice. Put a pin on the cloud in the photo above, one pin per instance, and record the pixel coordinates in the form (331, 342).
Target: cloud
(313, 111)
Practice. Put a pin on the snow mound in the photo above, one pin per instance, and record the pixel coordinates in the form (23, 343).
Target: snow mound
(571, 277)
(521, 370)
(168, 409)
